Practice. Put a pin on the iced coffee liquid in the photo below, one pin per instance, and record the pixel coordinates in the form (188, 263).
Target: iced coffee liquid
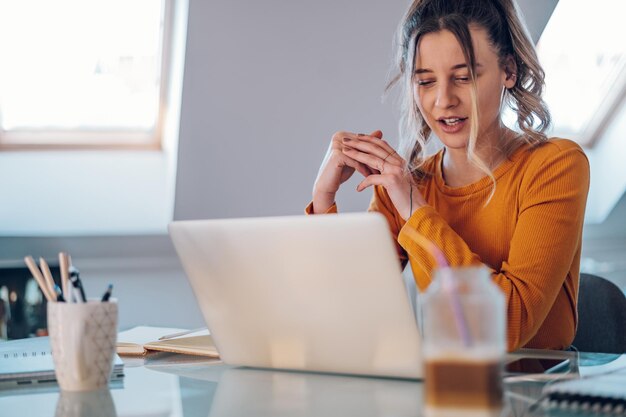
(459, 382)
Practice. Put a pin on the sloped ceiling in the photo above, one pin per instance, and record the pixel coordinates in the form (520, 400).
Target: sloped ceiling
(536, 13)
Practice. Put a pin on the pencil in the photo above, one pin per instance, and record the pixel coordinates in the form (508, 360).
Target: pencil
(34, 270)
(65, 279)
(47, 275)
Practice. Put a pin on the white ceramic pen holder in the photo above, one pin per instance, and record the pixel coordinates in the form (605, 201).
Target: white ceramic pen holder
(83, 338)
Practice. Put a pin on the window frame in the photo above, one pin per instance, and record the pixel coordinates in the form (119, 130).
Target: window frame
(606, 113)
(104, 139)
(611, 97)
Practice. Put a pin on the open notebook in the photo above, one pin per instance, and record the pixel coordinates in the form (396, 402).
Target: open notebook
(142, 340)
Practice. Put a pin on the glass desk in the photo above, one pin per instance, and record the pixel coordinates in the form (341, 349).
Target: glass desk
(185, 386)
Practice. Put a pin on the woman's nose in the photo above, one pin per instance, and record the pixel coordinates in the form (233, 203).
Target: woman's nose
(446, 97)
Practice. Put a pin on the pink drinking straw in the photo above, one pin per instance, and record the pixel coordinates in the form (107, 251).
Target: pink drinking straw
(447, 283)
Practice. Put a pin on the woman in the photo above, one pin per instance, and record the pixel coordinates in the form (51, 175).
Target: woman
(513, 201)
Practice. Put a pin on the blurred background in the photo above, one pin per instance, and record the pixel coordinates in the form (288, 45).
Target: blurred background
(118, 117)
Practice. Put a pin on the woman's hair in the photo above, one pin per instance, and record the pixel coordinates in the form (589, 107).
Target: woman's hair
(509, 39)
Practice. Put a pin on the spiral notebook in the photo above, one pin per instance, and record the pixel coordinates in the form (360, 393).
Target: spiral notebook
(604, 393)
(28, 363)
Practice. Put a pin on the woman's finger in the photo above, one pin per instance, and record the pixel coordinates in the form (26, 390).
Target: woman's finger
(377, 134)
(374, 162)
(358, 166)
(373, 180)
(384, 156)
(365, 158)
(376, 139)
(365, 146)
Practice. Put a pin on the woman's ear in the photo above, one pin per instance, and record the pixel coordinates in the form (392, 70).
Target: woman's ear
(510, 71)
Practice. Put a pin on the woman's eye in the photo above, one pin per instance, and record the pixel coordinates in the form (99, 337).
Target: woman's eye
(462, 79)
(424, 83)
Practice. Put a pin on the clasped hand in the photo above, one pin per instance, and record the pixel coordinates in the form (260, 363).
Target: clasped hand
(373, 158)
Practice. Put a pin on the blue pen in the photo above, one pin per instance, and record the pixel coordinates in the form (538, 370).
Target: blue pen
(59, 293)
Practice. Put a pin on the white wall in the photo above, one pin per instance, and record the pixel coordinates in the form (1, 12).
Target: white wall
(86, 192)
(266, 85)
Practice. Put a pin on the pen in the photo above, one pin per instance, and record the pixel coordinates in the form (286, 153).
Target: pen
(74, 296)
(78, 285)
(107, 293)
(59, 293)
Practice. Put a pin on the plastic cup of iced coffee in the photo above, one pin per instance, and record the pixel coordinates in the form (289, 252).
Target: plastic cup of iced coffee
(464, 343)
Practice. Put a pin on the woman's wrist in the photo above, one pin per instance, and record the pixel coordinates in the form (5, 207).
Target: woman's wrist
(416, 201)
(322, 201)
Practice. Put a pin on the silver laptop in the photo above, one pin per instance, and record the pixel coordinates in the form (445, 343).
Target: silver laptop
(311, 293)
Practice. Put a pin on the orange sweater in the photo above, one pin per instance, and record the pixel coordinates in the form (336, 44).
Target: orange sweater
(530, 235)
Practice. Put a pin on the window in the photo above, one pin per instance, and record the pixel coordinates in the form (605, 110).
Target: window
(78, 73)
(582, 51)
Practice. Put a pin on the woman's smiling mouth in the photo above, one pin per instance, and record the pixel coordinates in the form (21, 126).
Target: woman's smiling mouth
(452, 124)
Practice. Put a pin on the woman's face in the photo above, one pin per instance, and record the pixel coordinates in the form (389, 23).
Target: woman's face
(442, 86)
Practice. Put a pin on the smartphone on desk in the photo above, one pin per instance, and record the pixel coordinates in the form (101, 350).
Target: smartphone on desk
(537, 366)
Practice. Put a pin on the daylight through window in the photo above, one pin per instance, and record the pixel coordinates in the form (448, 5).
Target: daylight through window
(78, 72)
